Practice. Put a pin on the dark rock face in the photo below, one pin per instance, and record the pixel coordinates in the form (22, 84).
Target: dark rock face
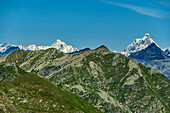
(152, 52)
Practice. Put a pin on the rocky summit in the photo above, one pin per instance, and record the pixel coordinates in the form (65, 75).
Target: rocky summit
(138, 45)
(109, 81)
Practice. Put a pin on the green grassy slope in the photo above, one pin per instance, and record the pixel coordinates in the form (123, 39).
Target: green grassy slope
(29, 92)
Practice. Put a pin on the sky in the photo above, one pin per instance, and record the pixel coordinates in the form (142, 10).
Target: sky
(84, 23)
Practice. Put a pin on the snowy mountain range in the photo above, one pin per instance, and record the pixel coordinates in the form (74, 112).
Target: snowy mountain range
(62, 46)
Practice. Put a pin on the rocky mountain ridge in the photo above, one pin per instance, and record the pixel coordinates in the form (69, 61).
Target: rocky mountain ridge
(110, 81)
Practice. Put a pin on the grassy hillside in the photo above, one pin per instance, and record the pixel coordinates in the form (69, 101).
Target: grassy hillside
(30, 92)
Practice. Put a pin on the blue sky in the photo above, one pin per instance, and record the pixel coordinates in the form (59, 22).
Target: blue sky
(84, 23)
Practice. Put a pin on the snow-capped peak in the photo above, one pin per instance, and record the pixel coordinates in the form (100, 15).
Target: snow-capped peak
(138, 44)
(146, 36)
(58, 42)
(63, 47)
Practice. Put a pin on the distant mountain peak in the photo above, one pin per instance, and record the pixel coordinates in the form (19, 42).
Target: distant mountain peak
(58, 42)
(138, 44)
(102, 48)
(147, 35)
(62, 46)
